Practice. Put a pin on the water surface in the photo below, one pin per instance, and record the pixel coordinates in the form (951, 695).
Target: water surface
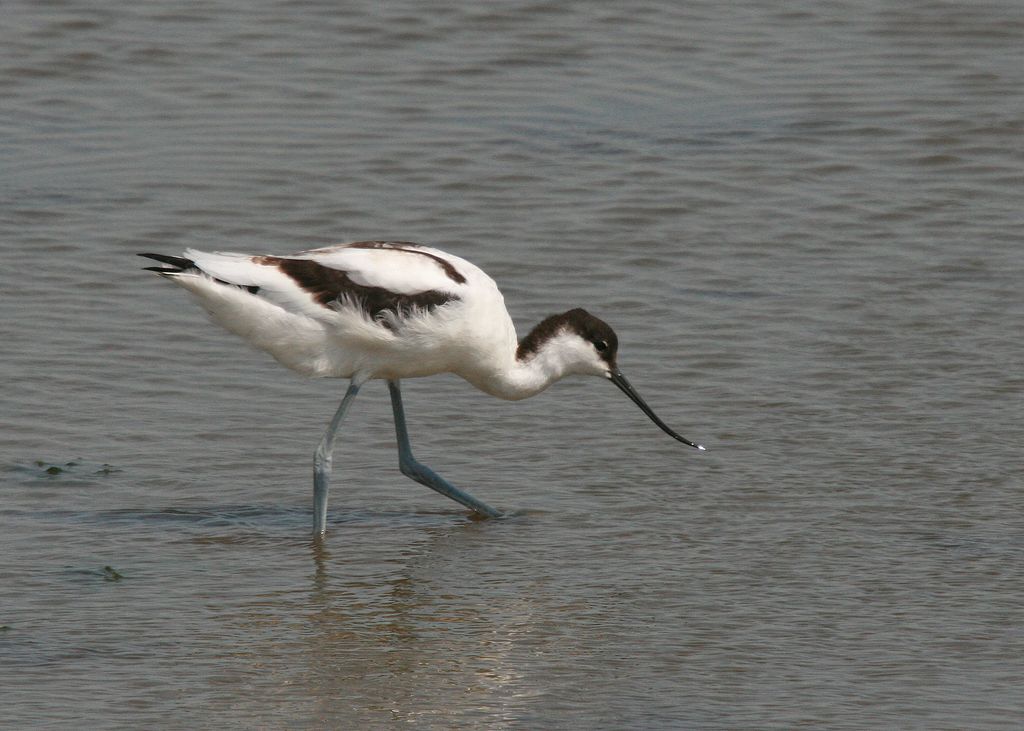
(804, 223)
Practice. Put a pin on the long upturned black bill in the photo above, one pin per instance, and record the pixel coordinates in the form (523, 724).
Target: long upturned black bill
(620, 380)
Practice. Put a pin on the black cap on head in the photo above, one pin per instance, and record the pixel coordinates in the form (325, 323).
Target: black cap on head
(579, 321)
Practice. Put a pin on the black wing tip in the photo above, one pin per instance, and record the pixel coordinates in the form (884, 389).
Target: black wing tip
(178, 264)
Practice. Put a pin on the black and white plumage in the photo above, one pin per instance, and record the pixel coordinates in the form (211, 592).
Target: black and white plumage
(392, 310)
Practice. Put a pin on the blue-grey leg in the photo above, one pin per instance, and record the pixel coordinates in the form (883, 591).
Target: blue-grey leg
(420, 472)
(322, 463)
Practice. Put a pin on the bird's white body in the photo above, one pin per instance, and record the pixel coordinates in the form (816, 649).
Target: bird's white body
(471, 335)
(392, 310)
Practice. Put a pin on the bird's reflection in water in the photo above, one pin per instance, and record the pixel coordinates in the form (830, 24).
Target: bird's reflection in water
(393, 639)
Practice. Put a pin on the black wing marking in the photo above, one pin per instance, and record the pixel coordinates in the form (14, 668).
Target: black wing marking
(330, 287)
(410, 248)
(179, 265)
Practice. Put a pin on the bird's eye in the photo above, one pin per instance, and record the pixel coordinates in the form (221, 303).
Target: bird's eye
(601, 345)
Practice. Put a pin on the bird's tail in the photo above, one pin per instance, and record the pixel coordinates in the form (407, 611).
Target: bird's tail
(177, 264)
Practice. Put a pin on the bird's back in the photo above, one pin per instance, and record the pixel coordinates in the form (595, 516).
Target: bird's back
(369, 309)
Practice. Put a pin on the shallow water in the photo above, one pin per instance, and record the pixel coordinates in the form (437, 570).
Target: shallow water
(804, 224)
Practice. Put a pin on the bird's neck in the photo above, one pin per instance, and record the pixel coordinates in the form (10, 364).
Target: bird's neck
(528, 370)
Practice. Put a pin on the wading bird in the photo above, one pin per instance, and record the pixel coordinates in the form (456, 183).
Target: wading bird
(391, 310)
